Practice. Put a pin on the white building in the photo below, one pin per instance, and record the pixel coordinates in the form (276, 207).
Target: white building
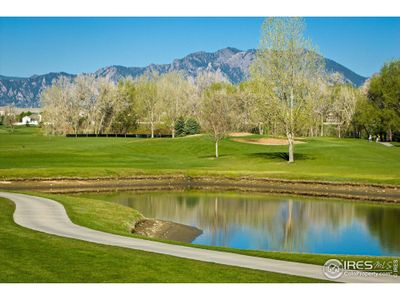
(33, 119)
(27, 120)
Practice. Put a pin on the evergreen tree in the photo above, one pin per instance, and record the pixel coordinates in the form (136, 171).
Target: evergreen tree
(191, 127)
(180, 127)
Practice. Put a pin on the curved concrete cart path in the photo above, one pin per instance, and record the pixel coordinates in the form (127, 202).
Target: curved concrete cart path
(49, 216)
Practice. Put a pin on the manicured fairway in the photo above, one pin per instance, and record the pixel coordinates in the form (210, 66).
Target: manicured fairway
(30, 256)
(27, 153)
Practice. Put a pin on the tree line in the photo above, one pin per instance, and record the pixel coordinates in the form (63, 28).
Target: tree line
(97, 105)
(288, 93)
(378, 111)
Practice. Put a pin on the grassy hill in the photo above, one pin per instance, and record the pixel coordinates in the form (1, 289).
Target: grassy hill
(27, 153)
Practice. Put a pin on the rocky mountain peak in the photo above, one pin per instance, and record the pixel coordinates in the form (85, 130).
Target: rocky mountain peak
(230, 63)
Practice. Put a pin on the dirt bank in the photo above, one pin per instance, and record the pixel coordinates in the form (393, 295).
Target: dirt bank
(356, 191)
(166, 230)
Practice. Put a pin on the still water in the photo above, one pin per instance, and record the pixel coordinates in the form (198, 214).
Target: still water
(274, 223)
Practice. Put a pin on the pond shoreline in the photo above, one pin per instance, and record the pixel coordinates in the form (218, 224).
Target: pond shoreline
(346, 190)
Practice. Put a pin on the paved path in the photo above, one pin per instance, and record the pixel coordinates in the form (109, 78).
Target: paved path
(49, 216)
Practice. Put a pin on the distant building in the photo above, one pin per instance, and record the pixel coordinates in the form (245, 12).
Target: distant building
(33, 119)
(26, 120)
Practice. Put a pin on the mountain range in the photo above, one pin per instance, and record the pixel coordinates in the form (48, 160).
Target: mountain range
(231, 63)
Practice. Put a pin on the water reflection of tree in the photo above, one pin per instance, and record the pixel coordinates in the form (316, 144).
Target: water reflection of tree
(383, 223)
(299, 221)
(219, 215)
(277, 224)
(283, 223)
(288, 231)
(219, 228)
(295, 227)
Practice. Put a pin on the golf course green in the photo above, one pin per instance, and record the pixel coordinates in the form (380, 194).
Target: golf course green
(26, 153)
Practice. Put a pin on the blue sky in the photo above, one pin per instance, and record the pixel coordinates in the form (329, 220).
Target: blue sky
(39, 45)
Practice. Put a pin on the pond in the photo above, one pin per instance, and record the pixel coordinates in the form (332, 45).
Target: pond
(274, 223)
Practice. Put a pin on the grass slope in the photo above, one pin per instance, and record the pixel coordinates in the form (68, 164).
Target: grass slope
(30, 256)
(27, 153)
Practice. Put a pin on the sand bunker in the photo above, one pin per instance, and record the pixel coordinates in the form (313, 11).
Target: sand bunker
(266, 141)
(240, 134)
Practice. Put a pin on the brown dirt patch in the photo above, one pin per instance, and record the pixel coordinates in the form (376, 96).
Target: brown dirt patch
(166, 230)
(266, 141)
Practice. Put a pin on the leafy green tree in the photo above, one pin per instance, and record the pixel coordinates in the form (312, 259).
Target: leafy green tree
(124, 121)
(366, 120)
(384, 94)
(286, 64)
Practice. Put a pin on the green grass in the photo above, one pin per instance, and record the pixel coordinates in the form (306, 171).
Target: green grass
(27, 153)
(115, 218)
(30, 256)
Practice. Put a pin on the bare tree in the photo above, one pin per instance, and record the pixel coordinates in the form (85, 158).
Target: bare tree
(252, 110)
(10, 117)
(149, 99)
(125, 107)
(206, 78)
(218, 112)
(89, 105)
(84, 104)
(344, 106)
(286, 64)
(174, 92)
(101, 112)
(319, 106)
(247, 111)
(55, 102)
